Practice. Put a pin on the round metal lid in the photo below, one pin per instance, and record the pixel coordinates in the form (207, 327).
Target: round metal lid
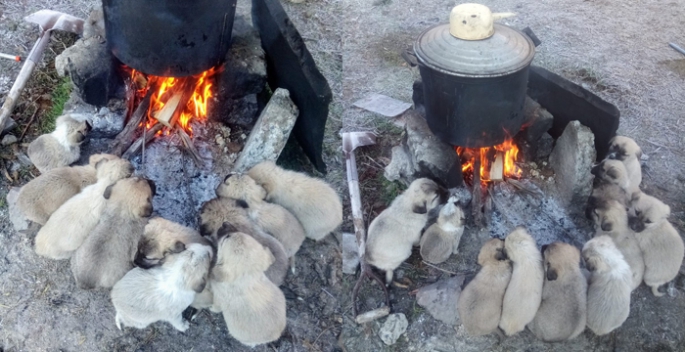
(507, 51)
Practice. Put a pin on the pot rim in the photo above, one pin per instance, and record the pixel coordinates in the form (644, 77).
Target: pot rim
(526, 62)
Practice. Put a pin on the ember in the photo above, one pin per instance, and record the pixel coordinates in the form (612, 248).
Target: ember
(174, 100)
(496, 162)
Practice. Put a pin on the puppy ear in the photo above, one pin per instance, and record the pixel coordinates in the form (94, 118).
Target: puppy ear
(227, 177)
(200, 285)
(99, 163)
(607, 226)
(613, 173)
(242, 203)
(595, 169)
(146, 211)
(420, 209)
(89, 127)
(205, 230)
(108, 190)
(551, 274)
(178, 247)
(429, 187)
(226, 229)
(500, 255)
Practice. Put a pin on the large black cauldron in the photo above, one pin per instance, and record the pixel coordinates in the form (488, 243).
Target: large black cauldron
(169, 37)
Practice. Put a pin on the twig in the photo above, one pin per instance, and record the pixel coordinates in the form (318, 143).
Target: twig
(28, 124)
(125, 138)
(188, 144)
(138, 144)
(437, 268)
(677, 48)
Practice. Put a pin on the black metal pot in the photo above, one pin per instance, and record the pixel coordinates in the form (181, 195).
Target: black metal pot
(474, 90)
(169, 37)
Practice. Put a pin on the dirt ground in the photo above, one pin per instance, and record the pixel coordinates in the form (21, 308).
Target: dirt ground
(40, 307)
(609, 48)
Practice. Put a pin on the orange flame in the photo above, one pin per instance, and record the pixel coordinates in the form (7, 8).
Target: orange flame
(508, 151)
(194, 109)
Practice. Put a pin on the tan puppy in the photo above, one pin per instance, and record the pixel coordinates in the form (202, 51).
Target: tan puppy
(480, 303)
(43, 195)
(611, 219)
(218, 211)
(661, 245)
(107, 254)
(563, 311)
(608, 295)
(442, 238)
(163, 237)
(524, 293)
(143, 297)
(70, 224)
(272, 218)
(611, 181)
(625, 150)
(394, 231)
(61, 147)
(253, 307)
(313, 202)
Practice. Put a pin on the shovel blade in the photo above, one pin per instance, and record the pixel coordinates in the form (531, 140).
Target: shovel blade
(353, 140)
(50, 20)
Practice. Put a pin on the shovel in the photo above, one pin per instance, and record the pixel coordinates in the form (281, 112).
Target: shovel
(352, 140)
(48, 21)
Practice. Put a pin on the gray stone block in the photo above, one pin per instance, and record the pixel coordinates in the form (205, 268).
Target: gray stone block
(440, 299)
(270, 134)
(572, 159)
(19, 221)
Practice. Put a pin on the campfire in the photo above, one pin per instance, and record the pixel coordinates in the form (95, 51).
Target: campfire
(495, 163)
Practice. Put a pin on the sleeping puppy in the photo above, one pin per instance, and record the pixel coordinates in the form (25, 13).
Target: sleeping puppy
(661, 245)
(611, 219)
(394, 231)
(608, 294)
(70, 224)
(108, 253)
(253, 307)
(61, 147)
(43, 195)
(311, 200)
(524, 293)
(272, 218)
(442, 238)
(163, 237)
(563, 311)
(611, 183)
(480, 303)
(218, 211)
(163, 292)
(625, 150)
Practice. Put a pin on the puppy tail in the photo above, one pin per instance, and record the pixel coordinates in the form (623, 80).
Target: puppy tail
(117, 320)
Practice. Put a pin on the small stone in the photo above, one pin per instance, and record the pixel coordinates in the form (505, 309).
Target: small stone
(9, 140)
(19, 221)
(440, 299)
(534, 173)
(243, 136)
(401, 166)
(350, 251)
(220, 141)
(393, 328)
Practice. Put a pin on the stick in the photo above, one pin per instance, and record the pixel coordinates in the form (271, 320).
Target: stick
(477, 195)
(437, 268)
(125, 138)
(138, 144)
(28, 124)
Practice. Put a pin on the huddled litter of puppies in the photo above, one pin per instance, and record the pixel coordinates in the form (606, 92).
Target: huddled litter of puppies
(98, 216)
(519, 286)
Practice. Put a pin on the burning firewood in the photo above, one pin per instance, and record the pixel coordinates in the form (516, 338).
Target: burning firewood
(166, 114)
(497, 168)
(125, 138)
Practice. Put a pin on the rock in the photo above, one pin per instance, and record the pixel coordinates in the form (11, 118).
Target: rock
(90, 66)
(393, 328)
(9, 139)
(350, 251)
(428, 155)
(270, 134)
(440, 299)
(19, 221)
(545, 145)
(291, 66)
(94, 26)
(9, 125)
(537, 122)
(572, 159)
(107, 122)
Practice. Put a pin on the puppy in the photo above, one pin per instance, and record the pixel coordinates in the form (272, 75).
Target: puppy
(107, 254)
(163, 237)
(313, 202)
(563, 311)
(625, 150)
(395, 230)
(611, 219)
(61, 147)
(611, 183)
(39, 198)
(480, 303)
(219, 211)
(524, 293)
(661, 245)
(163, 292)
(70, 224)
(253, 307)
(608, 294)
(272, 218)
(442, 237)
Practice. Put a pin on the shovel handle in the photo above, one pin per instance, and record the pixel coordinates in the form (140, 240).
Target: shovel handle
(34, 57)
